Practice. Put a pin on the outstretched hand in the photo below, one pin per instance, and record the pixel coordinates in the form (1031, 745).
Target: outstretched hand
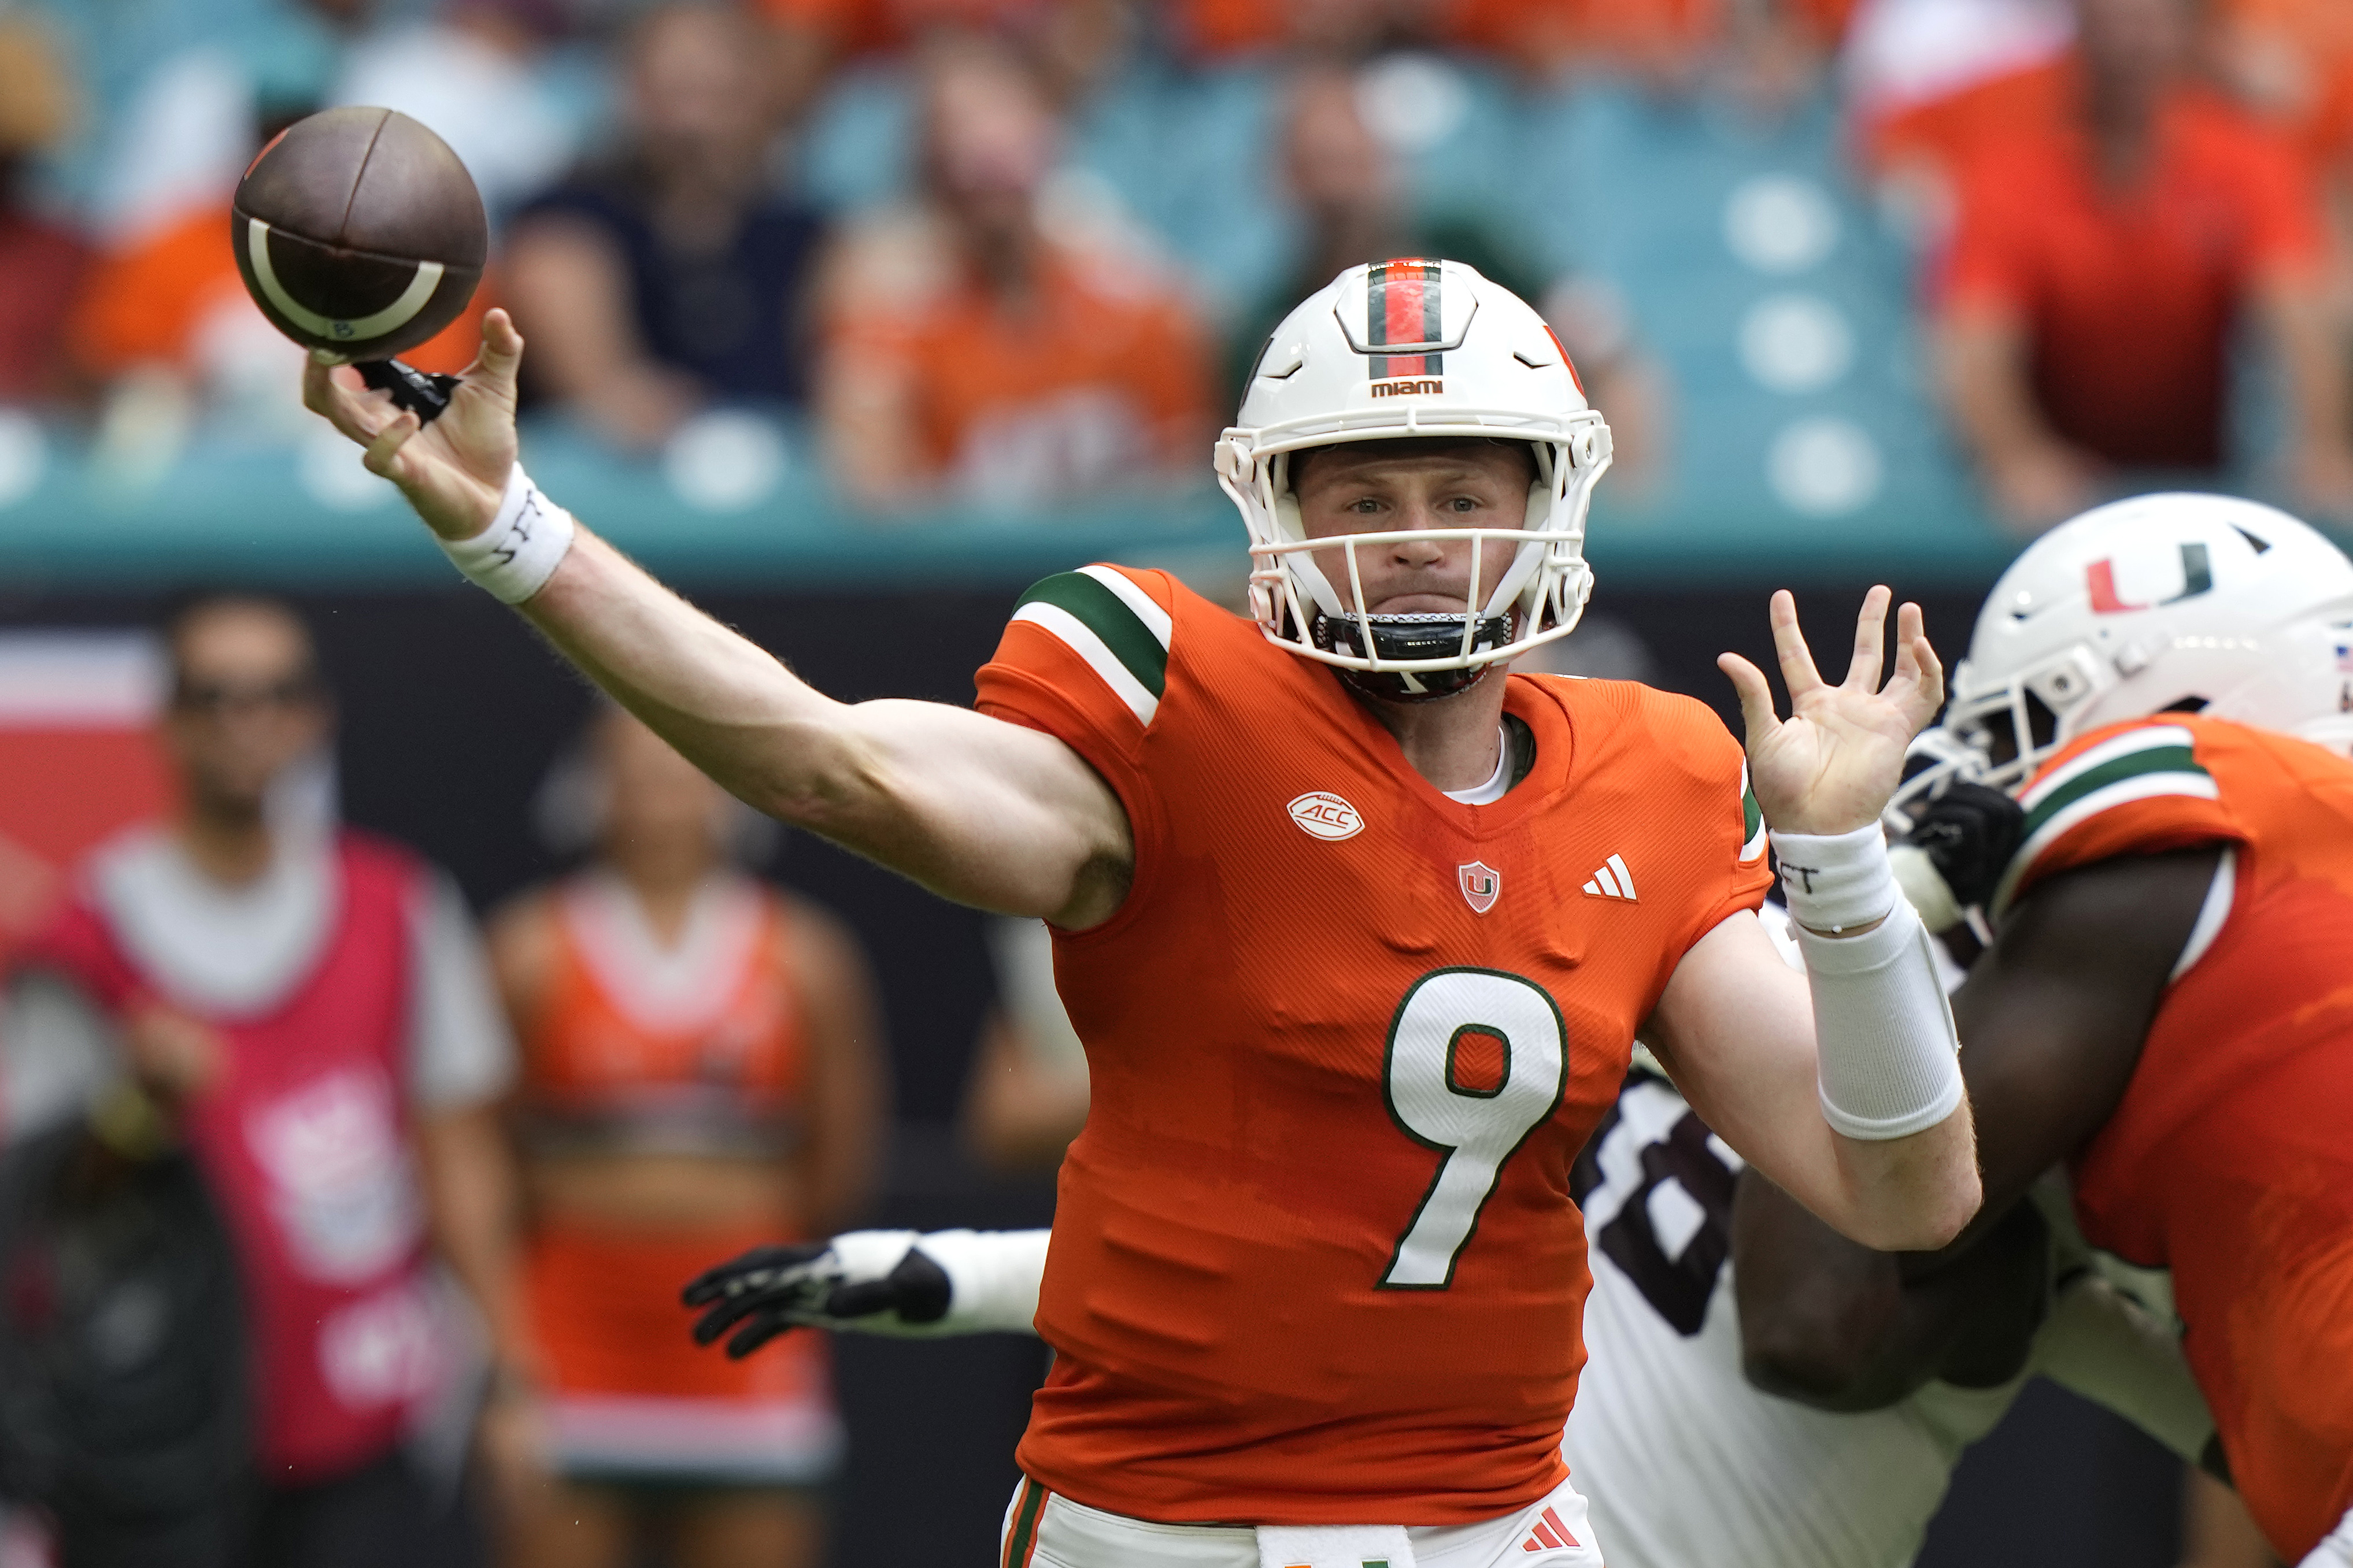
(454, 470)
(878, 1281)
(1831, 766)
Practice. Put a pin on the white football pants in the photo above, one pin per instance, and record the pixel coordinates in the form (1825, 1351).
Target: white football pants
(1046, 1529)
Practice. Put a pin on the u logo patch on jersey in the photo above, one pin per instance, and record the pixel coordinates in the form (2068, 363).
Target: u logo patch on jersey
(1480, 884)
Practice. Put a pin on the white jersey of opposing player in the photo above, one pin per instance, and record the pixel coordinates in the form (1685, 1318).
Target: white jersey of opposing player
(1686, 1464)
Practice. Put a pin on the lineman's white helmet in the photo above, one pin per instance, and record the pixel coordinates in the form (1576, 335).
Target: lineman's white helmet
(1404, 348)
(2158, 603)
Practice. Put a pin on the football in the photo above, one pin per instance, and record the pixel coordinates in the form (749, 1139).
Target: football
(359, 233)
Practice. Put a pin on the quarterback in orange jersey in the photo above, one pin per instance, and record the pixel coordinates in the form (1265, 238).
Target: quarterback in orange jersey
(1356, 930)
(2167, 1004)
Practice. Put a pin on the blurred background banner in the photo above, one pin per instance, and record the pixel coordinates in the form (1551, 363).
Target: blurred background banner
(852, 317)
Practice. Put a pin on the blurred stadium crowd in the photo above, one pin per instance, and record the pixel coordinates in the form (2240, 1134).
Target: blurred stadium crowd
(1020, 251)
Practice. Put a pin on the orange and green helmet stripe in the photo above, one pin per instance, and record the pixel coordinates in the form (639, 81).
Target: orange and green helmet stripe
(1402, 300)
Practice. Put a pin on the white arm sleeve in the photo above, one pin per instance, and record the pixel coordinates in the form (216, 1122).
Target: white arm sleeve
(1889, 1053)
(56, 1052)
(460, 1052)
(1883, 1033)
(993, 1277)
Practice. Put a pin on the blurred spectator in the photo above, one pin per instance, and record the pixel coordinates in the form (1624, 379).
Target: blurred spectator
(2098, 268)
(1074, 42)
(1540, 36)
(703, 1074)
(1027, 1097)
(1928, 81)
(972, 354)
(2291, 62)
(670, 277)
(475, 72)
(1665, 42)
(1354, 209)
(307, 1008)
(41, 260)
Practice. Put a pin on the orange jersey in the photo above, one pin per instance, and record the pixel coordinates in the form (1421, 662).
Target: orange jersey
(2230, 1160)
(1315, 1258)
(702, 1040)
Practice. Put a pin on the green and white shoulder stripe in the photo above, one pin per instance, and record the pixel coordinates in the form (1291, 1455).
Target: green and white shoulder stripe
(1752, 821)
(1117, 627)
(2139, 764)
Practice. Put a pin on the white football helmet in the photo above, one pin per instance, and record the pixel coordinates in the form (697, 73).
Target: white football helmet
(1404, 348)
(2162, 603)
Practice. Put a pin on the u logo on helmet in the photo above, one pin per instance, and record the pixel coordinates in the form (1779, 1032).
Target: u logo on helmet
(2197, 577)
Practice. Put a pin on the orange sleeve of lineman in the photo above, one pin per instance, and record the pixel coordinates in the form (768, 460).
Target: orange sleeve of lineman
(2140, 787)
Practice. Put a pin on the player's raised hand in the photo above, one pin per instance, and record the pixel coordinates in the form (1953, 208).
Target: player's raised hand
(454, 470)
(1831, 766)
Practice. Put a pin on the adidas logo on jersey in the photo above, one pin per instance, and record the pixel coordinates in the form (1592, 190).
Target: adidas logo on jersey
(1550, 1534)
(1612, 881)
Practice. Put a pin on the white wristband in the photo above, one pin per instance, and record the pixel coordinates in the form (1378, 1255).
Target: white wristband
(1834, 882)
(526, 542)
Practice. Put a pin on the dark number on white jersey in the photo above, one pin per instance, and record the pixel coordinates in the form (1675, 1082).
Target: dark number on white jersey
(1685, 1159)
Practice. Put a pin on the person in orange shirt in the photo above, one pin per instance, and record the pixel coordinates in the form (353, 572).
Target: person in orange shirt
(700, 1069)
(970, 354)
(2098, 269)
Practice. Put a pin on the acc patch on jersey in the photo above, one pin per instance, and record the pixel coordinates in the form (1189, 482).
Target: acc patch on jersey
(1324, 814)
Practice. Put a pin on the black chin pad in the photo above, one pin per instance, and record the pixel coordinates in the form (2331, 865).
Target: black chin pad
(1416, 634)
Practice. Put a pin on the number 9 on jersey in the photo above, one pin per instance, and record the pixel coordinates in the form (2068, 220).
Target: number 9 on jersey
(1477, 1127)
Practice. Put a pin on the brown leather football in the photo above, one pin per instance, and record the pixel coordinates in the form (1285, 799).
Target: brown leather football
(359, 233)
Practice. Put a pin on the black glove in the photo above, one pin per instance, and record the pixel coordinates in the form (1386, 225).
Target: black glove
(1969, 833)
(771, 1290)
